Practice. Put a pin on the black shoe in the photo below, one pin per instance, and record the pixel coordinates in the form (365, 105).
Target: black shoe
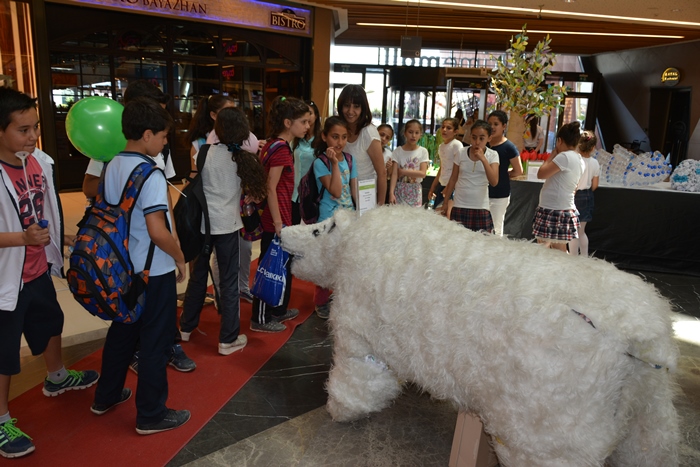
(180, 361)
(172, 420)
(99, 409)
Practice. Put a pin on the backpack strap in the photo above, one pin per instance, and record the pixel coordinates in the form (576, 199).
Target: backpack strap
(271, 149)
(348, 159)
(199, 194)
(130, 195)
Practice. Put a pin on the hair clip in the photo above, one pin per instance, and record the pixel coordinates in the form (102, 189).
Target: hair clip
(233, 147)
(283, 99)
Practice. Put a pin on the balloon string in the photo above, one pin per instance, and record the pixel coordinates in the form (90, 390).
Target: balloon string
(176, 189)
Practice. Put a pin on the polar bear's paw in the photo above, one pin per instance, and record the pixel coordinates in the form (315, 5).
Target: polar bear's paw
(358, 386)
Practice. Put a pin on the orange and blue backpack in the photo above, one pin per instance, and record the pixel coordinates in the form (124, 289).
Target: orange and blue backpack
(101, 275)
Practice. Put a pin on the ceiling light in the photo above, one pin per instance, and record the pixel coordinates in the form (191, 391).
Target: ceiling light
(539, 12)
(515, 31)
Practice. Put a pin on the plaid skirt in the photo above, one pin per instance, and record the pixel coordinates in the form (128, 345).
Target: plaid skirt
(555, 226)
(474, 219)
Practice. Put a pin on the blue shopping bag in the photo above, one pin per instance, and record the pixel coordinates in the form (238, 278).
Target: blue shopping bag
(271, 276)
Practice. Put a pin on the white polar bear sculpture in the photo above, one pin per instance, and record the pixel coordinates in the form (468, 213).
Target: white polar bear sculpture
(567, 361)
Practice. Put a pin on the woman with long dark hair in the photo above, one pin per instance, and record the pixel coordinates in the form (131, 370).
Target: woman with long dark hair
(364, 143)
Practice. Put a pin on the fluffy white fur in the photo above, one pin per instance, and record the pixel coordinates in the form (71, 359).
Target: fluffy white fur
(487, 323)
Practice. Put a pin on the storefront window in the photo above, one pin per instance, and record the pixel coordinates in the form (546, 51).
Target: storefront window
(140, 41)
(16, 48)
(98, 40)
(194, 43)
(240, 50)
(131, 68)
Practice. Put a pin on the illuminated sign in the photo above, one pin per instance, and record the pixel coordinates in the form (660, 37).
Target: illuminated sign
(287, 19)
(255, 14)
(670, 77)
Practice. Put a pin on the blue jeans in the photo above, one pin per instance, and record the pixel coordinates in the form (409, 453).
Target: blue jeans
(155, 331)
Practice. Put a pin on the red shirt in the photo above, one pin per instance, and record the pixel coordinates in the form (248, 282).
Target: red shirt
(31, 207)
(279, 155)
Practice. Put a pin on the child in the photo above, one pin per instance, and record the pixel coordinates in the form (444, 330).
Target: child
(448, 152)
(201, 132)
(143, 88)
(584, 191)
(289, 118)
(508, 154)
(556, 222)
(474, 170)
(386, 134)
(28, 303)
(411, 165)
(339, 186)
(304, 156)
(145, 125)
(226, 168)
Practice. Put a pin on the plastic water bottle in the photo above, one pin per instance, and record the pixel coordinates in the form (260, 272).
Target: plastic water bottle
(431, 203)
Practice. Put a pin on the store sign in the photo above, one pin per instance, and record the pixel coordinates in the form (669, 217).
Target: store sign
(255, 14)
(670, 77)
(287, 19)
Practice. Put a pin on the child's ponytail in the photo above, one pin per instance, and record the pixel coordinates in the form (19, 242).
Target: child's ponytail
(202, 123)
(232, 129)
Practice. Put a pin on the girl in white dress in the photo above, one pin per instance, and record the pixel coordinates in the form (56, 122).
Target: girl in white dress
(411, 165)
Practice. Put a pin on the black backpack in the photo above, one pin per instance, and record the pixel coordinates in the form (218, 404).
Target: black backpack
(189, 211)
(309, 195)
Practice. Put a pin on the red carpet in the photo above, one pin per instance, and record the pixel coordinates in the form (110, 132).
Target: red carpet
(66, 433)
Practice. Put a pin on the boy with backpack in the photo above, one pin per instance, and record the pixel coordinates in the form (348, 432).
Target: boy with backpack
(164, 161)
(145, 125)
(31, 249)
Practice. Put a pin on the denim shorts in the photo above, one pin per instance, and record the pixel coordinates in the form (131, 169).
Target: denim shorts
(584, 204)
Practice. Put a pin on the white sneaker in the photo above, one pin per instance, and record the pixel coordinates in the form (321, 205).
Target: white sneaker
(185, 336)
(238, 344)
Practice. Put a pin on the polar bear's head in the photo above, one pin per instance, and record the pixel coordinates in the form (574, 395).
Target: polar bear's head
(315, 248)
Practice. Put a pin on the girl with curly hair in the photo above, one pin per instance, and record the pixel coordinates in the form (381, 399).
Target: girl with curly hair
(228, 171)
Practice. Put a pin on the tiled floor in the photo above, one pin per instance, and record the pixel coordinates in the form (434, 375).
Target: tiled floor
(278, 418)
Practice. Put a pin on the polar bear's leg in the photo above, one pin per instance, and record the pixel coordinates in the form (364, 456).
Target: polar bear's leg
(358, 384)
(653, 433)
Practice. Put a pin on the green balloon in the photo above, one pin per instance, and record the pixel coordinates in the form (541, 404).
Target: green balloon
(94, 126)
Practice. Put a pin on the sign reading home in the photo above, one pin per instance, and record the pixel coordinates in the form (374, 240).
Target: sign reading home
(254, 14)
(287, 19)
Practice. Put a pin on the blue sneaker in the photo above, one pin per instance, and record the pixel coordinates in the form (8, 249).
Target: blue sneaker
(180, 361)
(13, 441)
(74, 381)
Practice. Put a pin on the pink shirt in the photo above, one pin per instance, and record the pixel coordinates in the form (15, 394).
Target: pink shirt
(30, 193)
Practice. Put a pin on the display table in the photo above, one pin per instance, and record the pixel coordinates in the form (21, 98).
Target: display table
(652, 229)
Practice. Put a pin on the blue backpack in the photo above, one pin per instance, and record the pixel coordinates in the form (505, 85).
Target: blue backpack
(101, 275)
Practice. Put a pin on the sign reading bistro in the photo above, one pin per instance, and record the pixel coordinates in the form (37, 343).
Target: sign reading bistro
(287, 19)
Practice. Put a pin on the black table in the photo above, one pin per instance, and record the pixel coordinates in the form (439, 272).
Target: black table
(641, 229)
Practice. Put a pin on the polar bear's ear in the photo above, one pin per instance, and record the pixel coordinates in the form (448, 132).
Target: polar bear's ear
(343, 218)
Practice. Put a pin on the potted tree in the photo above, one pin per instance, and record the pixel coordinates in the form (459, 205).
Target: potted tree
(519, 84)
